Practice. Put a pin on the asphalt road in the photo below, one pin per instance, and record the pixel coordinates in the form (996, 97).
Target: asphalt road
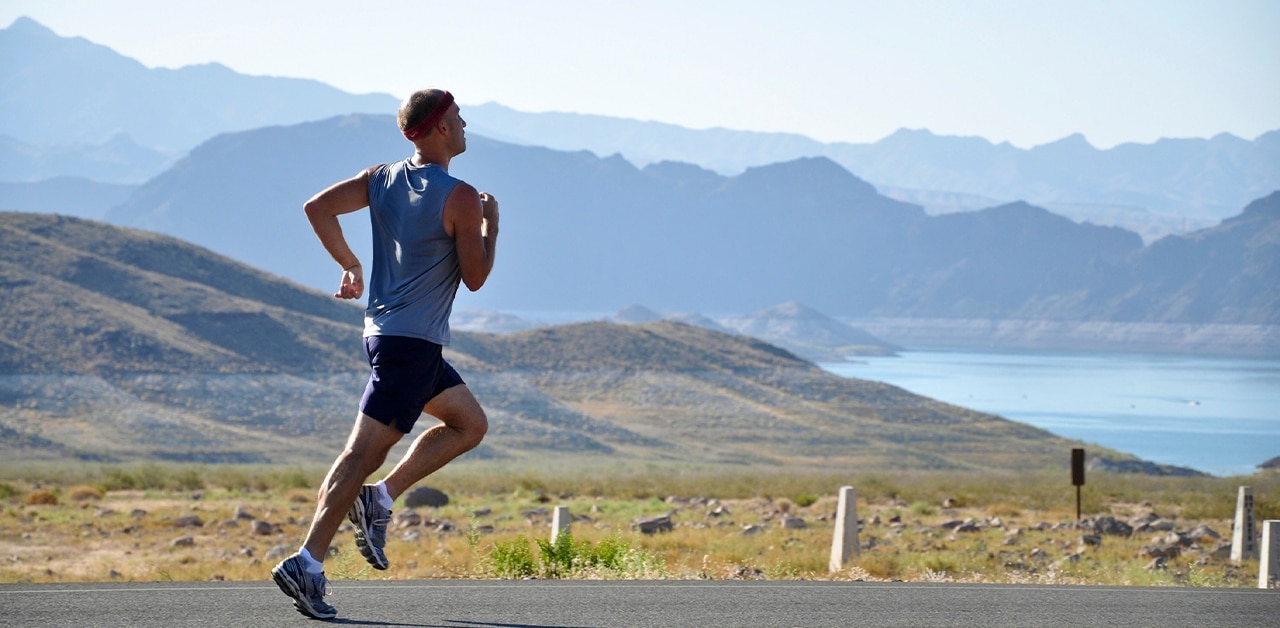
(600, 604)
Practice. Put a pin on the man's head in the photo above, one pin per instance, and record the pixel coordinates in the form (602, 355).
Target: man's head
(430, 115)
(422, 112)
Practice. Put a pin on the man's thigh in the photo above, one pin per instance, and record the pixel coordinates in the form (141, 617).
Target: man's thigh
(372, 436)
(456, 407)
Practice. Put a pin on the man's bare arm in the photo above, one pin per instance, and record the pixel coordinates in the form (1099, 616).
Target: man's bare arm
(323, 210)
(472, 219)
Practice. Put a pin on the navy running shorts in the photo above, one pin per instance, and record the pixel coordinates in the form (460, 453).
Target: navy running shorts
(407, 373)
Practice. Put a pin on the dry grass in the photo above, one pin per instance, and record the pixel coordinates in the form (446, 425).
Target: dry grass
(83, 527)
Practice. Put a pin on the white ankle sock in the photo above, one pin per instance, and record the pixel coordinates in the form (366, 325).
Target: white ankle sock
(384, 497)
(309, 563)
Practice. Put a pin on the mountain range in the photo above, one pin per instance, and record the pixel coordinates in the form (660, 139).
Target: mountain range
(70, 91)
(128, 345)
(1170, 186)
(69, 107)
(591, 234)
(582, 233)
(119, 341)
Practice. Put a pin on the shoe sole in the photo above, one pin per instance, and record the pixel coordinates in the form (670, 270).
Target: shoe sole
(356, 517)
(291, 589)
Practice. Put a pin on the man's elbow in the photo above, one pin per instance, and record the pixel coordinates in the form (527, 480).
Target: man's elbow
(474, 282)
(313, 210)
(320, 208)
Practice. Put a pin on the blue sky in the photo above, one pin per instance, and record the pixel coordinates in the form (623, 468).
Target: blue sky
(1027, 72)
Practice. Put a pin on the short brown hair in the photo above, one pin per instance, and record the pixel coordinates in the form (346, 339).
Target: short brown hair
(418, 106)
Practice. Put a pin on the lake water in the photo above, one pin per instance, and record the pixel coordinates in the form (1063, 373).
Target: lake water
(1217, 415)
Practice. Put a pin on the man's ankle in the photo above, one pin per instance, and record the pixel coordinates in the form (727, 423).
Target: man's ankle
(384, 497)
(309, 563)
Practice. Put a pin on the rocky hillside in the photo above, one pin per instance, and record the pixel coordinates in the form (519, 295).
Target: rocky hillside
(87, 298)
(118, 344)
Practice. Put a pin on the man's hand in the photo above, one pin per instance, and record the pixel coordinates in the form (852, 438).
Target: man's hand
(352, 286)
(489, 209)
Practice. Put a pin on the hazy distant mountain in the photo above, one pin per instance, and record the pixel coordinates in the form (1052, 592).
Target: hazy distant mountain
(590, 234)
(640, 142)
(67, 90)
(489, 321)
(241, 194)
(579, 233)
(809, 333)
(582, 233)
(1229, 273)
(118, 160)
(635, 314)
(1194, 178)
(62, 99)
(70, 196)
(1169, 186)
(803, 331)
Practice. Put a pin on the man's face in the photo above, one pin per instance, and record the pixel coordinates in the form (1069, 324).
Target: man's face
(455, 124)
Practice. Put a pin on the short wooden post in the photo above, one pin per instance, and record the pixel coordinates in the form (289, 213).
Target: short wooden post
(1077, 475)
(1244, 536)
(844, 542)
(560, 520)
(1269, 570)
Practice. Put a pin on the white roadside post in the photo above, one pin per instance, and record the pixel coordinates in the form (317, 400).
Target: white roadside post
(844, 542)
(1269, 570)
(1244, 537)
(559, 522)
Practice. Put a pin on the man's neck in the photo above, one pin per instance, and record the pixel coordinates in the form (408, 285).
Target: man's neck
(439, 158)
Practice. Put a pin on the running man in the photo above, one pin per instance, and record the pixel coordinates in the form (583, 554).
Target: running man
(430, 233)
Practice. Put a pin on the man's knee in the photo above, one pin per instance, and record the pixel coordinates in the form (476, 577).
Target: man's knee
(370, 442)
(473, 426)
(362, 459)
(458, 409)
(369, 457)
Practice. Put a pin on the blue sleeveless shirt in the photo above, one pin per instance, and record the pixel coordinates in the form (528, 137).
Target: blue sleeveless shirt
(415, 271)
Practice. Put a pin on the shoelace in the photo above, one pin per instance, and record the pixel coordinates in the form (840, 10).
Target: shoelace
(377, 533)
(318, 581)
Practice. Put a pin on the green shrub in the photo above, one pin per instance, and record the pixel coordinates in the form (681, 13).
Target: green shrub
(939, 564)
(569, 558)
(557, 559)
(347, 565)
(7, 490)
(188, 480)
(118, 480)
(921, 509)
(512, 559)
(805, 500)
(295, 478)
(610, 554)
(882, 565)
(152, 477)
(235, 479)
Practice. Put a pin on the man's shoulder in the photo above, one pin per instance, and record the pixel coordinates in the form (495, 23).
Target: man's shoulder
(391, 166)
(380, 174)
(463, 194)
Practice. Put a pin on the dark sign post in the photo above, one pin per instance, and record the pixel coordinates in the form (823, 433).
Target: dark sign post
(1077, 475)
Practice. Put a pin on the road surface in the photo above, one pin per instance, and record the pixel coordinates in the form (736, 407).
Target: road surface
(624, 604)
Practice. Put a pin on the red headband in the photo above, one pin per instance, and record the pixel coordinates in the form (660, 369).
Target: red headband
(422, 128)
